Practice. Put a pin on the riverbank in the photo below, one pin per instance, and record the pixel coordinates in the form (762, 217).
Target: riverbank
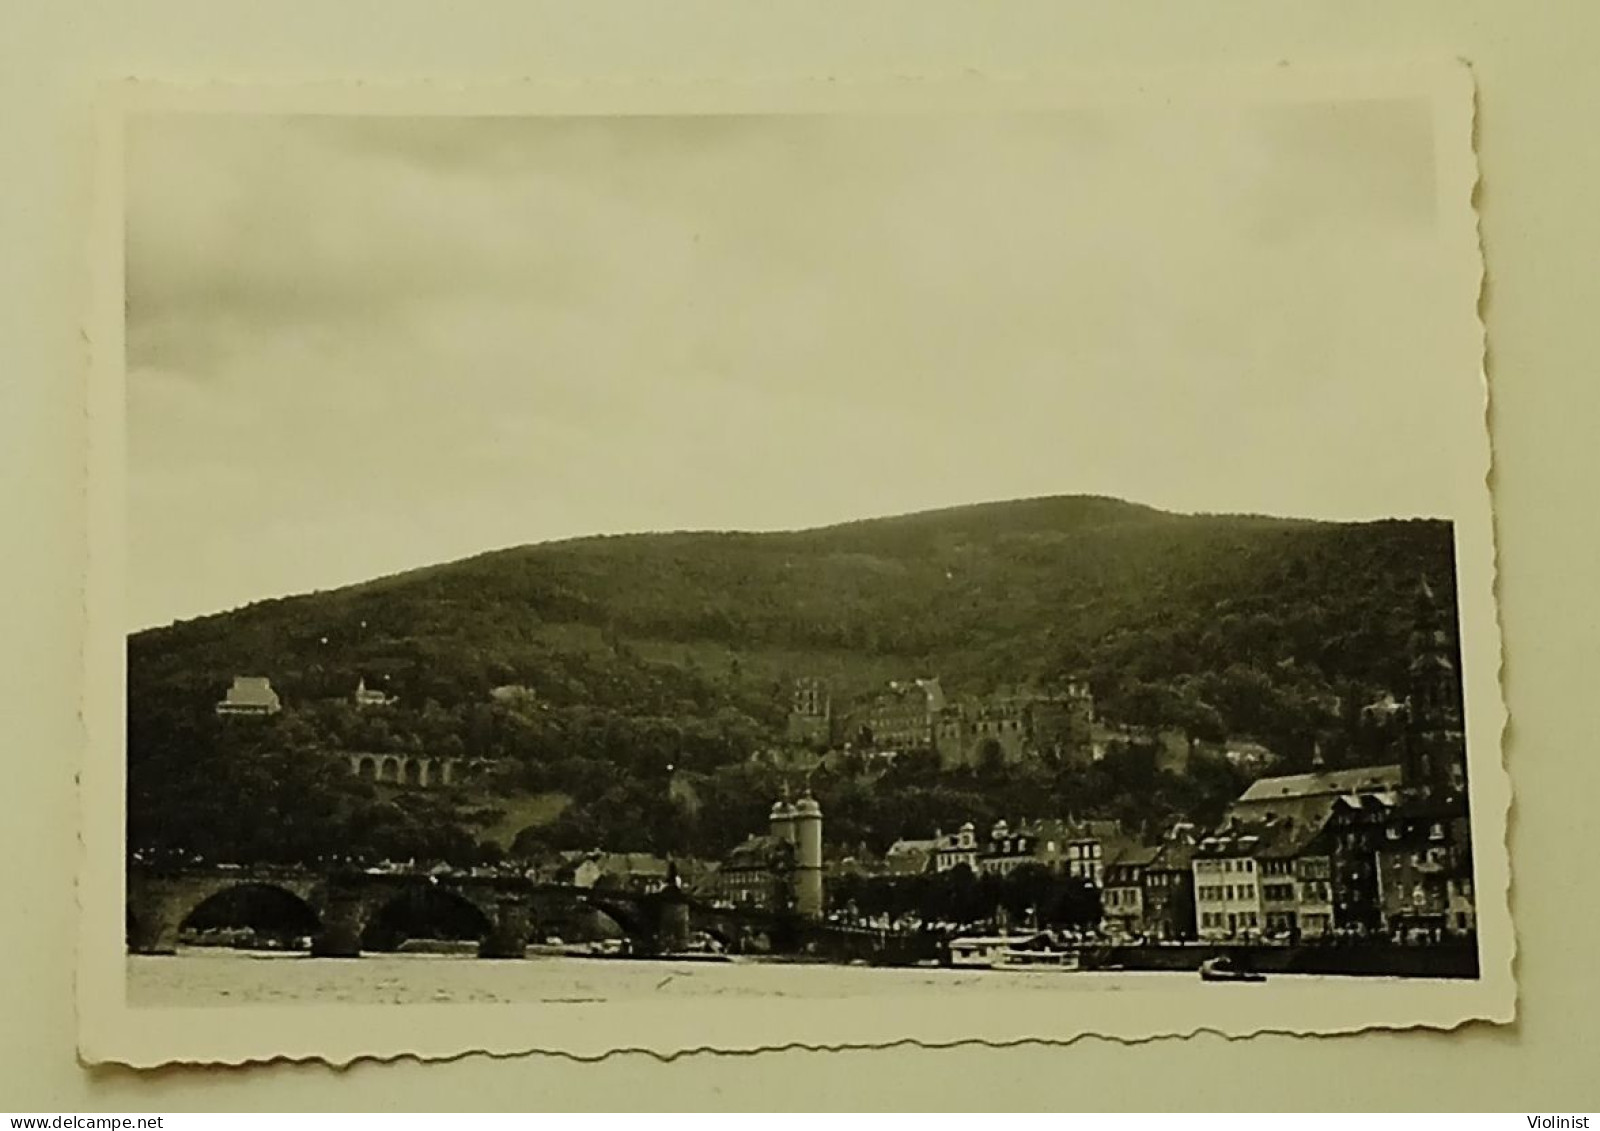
(1368, 959)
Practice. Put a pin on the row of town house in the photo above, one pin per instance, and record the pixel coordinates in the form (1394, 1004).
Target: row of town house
(1360, 852)
(1302, 857)
(1072, 847)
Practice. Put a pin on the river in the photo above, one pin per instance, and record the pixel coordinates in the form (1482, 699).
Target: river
(213, 976)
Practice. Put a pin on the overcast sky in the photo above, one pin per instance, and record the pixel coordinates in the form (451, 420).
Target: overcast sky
(361, 345)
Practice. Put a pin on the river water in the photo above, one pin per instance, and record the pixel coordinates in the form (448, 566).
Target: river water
(213, 976)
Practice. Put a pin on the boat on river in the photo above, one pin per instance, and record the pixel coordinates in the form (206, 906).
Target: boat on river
(1012, 952)
(1223, 969)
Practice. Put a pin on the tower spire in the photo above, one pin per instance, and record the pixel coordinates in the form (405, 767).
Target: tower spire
(1434, 762)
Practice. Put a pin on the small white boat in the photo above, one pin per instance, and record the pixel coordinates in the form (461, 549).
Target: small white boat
(1222, 969)
(1021, 958)
(1012, 952)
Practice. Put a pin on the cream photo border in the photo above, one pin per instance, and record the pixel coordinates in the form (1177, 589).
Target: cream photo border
(111, 1031)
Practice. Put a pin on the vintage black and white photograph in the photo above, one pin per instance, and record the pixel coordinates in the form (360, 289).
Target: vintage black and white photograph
(1006, 561)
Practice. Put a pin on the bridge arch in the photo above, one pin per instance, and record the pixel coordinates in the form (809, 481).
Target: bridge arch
(157, 909)
(425, 911)
(270, 913)
(631, 917)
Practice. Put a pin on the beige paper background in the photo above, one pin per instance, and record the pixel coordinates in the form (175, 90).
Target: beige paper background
(1538, 236)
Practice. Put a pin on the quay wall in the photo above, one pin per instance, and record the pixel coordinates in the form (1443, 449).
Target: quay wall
(1374, 959)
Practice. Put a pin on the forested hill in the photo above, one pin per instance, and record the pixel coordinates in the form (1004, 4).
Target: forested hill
(984, 596)
(643, 652)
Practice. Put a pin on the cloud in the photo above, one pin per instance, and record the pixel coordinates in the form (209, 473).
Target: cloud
(395, 341)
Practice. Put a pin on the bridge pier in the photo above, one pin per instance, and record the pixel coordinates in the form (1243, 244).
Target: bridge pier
(155, 931)
(672, 926)
(343, 920)
(508, 938)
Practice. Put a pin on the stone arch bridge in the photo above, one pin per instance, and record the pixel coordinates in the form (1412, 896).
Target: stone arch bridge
(511, 910)
(418, 770)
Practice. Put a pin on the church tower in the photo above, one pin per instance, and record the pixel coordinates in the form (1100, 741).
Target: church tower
(1434, 762)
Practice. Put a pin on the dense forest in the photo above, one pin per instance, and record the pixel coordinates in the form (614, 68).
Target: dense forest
(637, 675)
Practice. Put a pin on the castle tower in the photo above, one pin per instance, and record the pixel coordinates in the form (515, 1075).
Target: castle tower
(810, 713)
(808, 860)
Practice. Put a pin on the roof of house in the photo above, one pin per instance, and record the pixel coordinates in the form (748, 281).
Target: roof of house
(1236, 838)
(1365, 779)
(1288, 838)
(759, 852)
(251, 691)
(1101, 829)
(1386, 801)
(1276, 838)
(1173, 855)
(902, 847)
(630, 864)
(634, 864)
(1133, 855)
